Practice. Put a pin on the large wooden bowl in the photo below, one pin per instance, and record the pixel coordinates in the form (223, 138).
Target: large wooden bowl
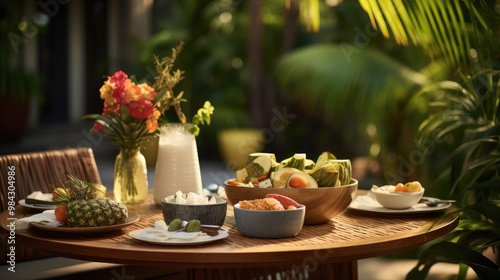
(322, 204)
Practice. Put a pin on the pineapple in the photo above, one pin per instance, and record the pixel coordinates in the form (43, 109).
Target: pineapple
(95, 212)
(85, 209)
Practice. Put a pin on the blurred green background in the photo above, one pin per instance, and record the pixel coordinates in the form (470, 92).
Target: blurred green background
(310, 82)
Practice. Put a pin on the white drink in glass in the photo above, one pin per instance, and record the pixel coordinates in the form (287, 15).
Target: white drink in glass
(177, 166)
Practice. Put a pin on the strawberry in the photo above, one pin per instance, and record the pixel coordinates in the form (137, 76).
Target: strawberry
(284, 200)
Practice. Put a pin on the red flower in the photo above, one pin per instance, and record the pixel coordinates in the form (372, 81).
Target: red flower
(119, 79)
(115, 108)
(98, 127)
(140, 109)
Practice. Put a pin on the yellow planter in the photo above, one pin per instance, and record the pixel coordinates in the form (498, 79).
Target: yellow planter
(236, 144)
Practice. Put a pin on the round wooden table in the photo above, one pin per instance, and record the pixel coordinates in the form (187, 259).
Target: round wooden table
(326, 251)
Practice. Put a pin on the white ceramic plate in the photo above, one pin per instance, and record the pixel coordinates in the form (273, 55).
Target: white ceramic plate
(37, 206)
(367, 203)
(155, 236)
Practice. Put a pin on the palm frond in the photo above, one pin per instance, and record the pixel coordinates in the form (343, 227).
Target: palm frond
(439, 26)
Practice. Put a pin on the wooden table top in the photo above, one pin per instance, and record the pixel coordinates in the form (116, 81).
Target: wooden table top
(348, 237)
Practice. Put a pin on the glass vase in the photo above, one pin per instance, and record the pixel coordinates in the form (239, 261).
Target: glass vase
(177, 166)
(130, 176)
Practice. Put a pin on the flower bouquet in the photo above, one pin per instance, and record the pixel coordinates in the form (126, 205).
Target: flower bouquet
(132, 113)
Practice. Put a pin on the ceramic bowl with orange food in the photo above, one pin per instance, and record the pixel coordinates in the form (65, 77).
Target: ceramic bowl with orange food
(322, 204)
(268, 222)
(400, 196)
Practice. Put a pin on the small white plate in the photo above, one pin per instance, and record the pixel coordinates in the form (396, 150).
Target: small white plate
(156, 236)
(368, 203)
(37, 206)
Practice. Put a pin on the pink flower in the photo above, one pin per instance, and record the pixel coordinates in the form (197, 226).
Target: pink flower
(141, 109)
(119, 79)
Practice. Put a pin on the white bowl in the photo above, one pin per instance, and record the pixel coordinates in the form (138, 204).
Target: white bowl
(396, 200)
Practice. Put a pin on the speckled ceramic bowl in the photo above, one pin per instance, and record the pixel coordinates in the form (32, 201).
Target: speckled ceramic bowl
(207, 214)
(269, 223)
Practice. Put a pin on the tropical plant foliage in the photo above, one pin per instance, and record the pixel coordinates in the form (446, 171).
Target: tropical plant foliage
(443, 27)
(339, 74)
(465, 119)
(463, 116)
(352, 84)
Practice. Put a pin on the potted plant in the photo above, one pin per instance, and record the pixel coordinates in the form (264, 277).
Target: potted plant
(18, 87)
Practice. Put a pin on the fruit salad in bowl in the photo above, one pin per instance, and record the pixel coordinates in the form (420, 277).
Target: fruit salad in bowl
(324, 186)
(399, 196)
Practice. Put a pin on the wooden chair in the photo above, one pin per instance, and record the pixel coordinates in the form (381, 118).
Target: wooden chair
(41, 171)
